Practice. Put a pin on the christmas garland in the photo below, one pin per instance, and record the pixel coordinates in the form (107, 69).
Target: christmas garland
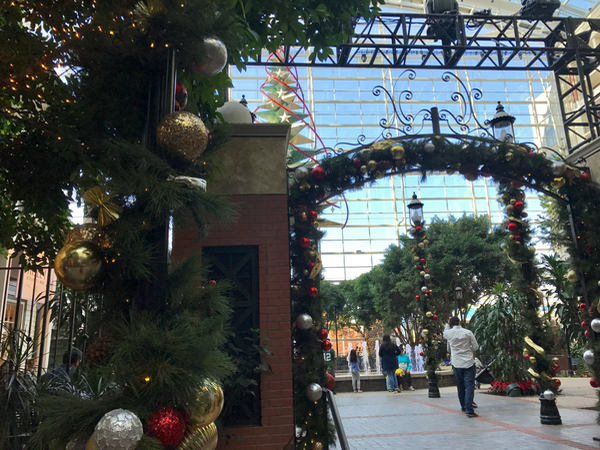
(513, 167)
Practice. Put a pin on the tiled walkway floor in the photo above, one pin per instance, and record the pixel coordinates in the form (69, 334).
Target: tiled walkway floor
(411, 420)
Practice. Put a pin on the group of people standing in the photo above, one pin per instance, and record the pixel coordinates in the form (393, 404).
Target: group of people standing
(396, 365)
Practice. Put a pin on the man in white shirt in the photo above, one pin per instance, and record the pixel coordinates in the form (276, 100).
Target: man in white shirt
(462, 345)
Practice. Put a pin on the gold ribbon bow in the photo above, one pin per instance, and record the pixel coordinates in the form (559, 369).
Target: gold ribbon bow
(533, 373)
(316, 269)
(108, 212)
(534, 346)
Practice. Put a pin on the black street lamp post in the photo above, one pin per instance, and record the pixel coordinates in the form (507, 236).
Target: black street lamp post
(458, 296)
(415, 208)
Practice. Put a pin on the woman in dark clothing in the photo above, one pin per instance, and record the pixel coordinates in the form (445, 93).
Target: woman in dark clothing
(388, 352)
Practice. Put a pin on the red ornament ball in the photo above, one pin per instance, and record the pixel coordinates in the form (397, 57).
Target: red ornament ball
(421, 353)
(557, 382)
(417, 297)
(357, 163)
(313, 215)
(585, 324)
(167, 425)
(330, 382)
(587, 334)
(411, 247)
(512, 227)
(418, 228)
(318, 173)
(582, 306)
(327, 345)
(304, 242)
(313, 292)
(434, 317)
(420, 340)
(593, 383)
(212, 282)
(516, 185)
(586, 176)
(423, 260)
(181, 96)
(517, 237)
(322, 334)
(434, 336)
(527, 357)
(519, 205)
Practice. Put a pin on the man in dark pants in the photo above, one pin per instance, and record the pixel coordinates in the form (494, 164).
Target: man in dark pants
(462, 345)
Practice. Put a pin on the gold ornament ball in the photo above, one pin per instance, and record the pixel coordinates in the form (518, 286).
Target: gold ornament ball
(532, 359)
(363, 169)
(397, 151)
(202, 438)
(77, 265)
(422, 273)
(421, 245)
(509, 156)
(572, 276)
(207, 405)
(510, 209)
(372, 165)
(513, 201)
(555, 359)
(429, 314)
(182, 134)
(416, 258)
(317, 446)
(90, 232)
(425, 332)
(425, 242)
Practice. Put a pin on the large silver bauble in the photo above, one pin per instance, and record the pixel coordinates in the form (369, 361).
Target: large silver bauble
(214, 58)
(595, 325)
(304, 322)
(118, 429)
(549, 395)
(314, 392)
(589, 357)
(301, 173)
(559, 168)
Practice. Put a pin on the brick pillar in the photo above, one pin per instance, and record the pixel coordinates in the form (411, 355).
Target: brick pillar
(254, 176)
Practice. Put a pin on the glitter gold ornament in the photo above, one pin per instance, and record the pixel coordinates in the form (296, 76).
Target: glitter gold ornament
(183, 135)
(203, 438)
(509, 156)
(372, 165)
(78, 264)
(382, 145)
(558, 183)
(90, 232)
(363, 169)
(317, 446)
(207, 406)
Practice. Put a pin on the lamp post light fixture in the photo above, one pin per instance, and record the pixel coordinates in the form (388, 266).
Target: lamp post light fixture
(415, 211)
(458, 296)
(502, 125)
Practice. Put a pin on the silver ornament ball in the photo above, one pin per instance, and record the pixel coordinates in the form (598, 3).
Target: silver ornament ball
(424, 289)
(301, 173)
(427, 276)
(559, 168)
(503, 245)
(595, 325)
(549, 395)
(589, 357)
(118, 429)
(214, 57)
(429, 147)
(314, 392)
(304, 322)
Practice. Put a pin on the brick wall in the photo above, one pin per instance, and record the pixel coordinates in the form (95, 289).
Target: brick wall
(262, 222)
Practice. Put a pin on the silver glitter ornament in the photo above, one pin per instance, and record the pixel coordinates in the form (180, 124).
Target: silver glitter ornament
(214, 58)
(595, 325)
(182, 134)
(429, 147)
(589, 357)
(304, 322)
(118, 429)
(549, 395)
(427, 276)
(559, 168)
(314, 392)
(301, 173)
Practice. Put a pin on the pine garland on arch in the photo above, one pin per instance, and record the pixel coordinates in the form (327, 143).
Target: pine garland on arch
(513, 166)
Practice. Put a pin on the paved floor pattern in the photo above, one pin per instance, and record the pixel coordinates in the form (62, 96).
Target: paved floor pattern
(411, 420)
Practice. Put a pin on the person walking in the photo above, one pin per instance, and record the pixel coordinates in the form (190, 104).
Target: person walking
(388, 352)
(404, 364)
(354, 370)
(462, 344)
